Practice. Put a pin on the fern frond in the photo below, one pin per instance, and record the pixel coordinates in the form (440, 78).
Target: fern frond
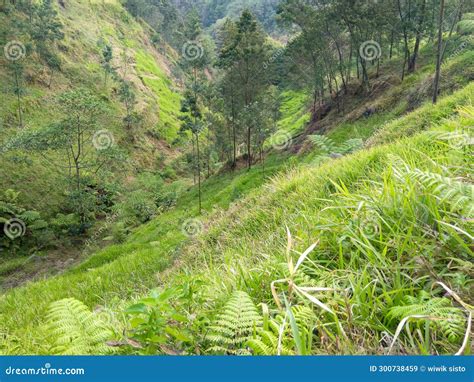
(265, 342)
(323, 143)
(454, 192)
(451, 319)
(350, 146)
(457, 138)
(458, 194)
(234, 325)
(75, 330)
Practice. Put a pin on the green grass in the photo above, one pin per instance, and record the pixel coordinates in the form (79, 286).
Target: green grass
(106, 21)
(294, 111)
(167, 99)
(385, 231)
(244, 247)
(423, 117)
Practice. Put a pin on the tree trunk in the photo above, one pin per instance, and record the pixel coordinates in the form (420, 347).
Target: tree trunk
(194, 164)
(421, 20)
(439, 52)
(234, 132)
(405, 39)
(199, 172)
(391, 45)
(18, 95)
(249, 148)
(208, 152)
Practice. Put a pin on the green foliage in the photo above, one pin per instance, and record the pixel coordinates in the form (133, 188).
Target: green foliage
(137, 208)
(466, 25)
(65, 223)
(154, 321)
(75, 330)
(277, 337)
(166, 100)
(26, 227)
(328, 148)
(106, 62)
(448, 319)
(234, 326)
(143, 199)
(454, 192)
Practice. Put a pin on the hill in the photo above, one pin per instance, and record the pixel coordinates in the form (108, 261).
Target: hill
(375, 243)
(168, 190)
(140, 101)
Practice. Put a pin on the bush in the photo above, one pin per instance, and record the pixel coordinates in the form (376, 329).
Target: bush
(21, 229)
(137, 208)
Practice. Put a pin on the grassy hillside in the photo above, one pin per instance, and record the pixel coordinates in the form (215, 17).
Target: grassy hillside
(376, 244)
(88, 26)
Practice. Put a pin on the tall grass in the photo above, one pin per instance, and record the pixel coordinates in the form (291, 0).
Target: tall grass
(391, 221)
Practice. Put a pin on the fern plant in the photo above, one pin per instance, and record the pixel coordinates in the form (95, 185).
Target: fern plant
(234, 325)
(277, 337)
(446, 318)
(328, 148)
(323, 143)
(456, 193)
(75, 330)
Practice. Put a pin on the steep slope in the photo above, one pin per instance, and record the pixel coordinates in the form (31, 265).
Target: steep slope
(88, 26)
(247, 242)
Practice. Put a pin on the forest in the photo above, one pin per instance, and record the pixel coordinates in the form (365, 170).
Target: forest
(236, 177)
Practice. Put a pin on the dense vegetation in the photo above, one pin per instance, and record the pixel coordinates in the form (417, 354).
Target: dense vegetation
(236, 177)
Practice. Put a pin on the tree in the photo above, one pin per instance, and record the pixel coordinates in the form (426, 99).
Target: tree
(192, 121)
(106, 62)
(127, 97)
(229, 82)
(439, 51)
(46, 30)
(77, 146)
(242, 56)
(420, 23)
(195, 58)
(17, 69)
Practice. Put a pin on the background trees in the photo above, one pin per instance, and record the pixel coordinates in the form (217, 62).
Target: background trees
(242, 54)
(196, 56)
(337, 39)
(76, 146)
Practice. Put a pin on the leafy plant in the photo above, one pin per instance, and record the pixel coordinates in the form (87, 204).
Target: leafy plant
(454, 192)
(30, 227)
(155, 322)
(234, 326)
(433, 312)
(328, 148)
(75, 330)
(286, 334)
